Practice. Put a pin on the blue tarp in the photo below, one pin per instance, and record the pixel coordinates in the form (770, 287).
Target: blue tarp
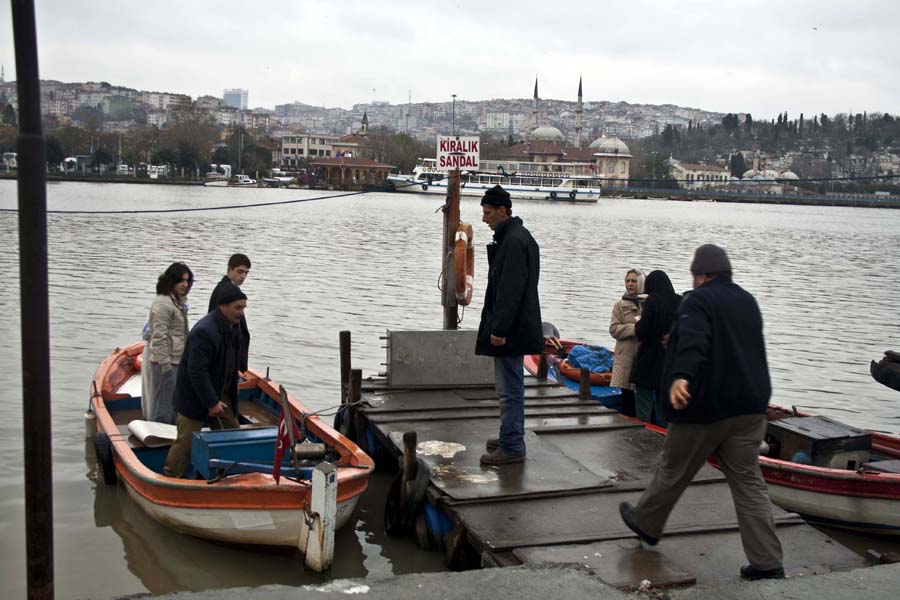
(596, 358)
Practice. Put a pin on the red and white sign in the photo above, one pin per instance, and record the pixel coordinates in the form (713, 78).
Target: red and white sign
(456, 151)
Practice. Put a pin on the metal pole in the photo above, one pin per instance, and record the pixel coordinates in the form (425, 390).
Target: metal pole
(34, 309)
(453, 117)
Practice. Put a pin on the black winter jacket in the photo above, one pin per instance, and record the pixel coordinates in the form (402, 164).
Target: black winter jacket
(202, 380)
(717, 345)
(656, 321)
(245, 331)
(511, 306)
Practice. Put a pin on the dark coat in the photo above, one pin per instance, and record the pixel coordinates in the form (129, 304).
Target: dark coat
(717, 345)
(202, 380)
(245, 331)
(511, 306)
(657, 318)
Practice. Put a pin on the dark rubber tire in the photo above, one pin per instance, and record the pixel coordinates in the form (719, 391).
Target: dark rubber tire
(104, 450)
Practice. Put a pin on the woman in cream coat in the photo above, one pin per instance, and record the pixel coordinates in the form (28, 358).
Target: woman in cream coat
(165, 335)
(625, 314)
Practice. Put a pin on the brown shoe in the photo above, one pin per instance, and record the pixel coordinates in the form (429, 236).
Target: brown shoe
(501, 457)
(492, 444)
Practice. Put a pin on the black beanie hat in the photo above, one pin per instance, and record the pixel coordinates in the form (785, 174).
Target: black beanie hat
(230, 293)
(709, 258)
(497, 196)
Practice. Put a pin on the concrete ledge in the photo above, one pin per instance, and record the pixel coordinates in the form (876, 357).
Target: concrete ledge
(559, 582)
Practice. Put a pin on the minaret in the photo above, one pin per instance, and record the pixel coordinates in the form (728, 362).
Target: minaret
(534, 107)
(2, 80)
(579, 116)
(365, 123)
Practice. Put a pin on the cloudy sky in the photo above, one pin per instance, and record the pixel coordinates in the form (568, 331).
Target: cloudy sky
(757, 56)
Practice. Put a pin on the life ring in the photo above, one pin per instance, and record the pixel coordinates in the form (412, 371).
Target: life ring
(464, 264)
(424, 187)
(574, 374)
(572, 194)
(553, 195)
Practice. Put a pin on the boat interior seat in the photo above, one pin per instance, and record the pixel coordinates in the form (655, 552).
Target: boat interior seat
(882, 466)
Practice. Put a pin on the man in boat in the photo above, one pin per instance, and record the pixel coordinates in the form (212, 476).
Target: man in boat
(719, 389)
(238, 269)
(206, 389)
(510, 324)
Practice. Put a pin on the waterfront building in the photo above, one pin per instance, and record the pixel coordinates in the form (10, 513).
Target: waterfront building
(235, 98)
(350, 173)
(694, 176)
(298, 148)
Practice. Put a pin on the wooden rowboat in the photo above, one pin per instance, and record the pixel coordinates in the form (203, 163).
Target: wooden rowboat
(559, 370)
(234, 498)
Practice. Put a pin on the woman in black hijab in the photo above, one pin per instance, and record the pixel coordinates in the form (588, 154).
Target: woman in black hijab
(657, 317)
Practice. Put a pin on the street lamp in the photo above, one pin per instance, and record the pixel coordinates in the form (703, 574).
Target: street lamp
(453, 115)
(653, 170)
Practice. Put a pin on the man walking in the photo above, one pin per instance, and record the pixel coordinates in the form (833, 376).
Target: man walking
(510, 324)
(206, 388)
(238, 269)
(719, 388)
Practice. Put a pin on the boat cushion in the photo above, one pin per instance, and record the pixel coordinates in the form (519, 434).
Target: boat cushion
(153, 434)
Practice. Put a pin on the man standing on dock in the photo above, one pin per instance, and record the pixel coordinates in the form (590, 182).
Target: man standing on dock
(206, 389)
(510, 324)
(238, 269)
(719, 388)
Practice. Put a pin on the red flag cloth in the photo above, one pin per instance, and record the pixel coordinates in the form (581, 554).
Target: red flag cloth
(283, 444)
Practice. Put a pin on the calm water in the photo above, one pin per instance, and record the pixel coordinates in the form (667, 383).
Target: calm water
(826, 279)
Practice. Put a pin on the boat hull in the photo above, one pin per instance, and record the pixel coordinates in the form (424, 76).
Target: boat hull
(409, 185)
(247, 508)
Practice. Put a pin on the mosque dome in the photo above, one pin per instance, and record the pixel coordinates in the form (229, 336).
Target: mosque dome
(546, 133)
(789, 175)
(613, 145)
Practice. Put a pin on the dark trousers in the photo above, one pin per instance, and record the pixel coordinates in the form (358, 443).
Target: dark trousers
(735, 443)
(179, 457)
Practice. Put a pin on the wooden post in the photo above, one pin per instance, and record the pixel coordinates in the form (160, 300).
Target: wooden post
(584, 389)
(543, 367)
(359, 425)
(451, 223)
(344, 344)
(317, 530)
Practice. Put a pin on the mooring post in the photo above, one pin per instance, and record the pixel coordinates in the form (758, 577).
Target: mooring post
(344, 343)
(35, 309)
(317, 530)
(584, 389)
(451, 223)
(543, 367)
(410, 465)
(355, 395)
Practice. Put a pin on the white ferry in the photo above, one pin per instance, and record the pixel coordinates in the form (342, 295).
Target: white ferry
(564, 182)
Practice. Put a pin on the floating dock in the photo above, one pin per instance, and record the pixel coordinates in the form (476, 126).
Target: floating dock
(561, 504)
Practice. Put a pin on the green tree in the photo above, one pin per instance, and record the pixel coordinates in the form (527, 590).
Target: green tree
(737, 165)
(101, 156)
(9, 115)
(53, 152)
(164, 156)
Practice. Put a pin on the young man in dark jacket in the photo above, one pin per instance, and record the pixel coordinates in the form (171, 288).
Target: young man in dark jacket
(238, 270)
(718, 385)
(510, 324)
(206, 388)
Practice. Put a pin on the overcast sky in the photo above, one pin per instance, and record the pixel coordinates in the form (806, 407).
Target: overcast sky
(762, 56)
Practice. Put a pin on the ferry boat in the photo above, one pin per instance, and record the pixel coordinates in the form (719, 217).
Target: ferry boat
(564, 182)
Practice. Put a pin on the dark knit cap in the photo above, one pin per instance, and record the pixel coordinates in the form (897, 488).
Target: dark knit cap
(497, 196)
(708, 259)
(229, 294)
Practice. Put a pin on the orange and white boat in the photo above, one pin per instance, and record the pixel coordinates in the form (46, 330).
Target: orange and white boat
(233, 496)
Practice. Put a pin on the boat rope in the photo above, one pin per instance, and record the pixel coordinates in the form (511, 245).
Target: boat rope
(204, 208)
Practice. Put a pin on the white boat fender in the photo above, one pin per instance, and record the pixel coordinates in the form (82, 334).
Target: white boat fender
(316, 540)
(90, 424)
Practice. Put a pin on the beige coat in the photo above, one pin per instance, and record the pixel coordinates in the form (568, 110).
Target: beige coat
(168, 331)
(621, 327)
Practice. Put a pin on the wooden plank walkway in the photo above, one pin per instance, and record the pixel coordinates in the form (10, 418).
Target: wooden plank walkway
(561, 504)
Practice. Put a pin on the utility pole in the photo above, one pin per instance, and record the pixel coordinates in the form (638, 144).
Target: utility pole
(453, 116)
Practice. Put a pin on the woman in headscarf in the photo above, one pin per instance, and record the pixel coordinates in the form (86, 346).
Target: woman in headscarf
(165, 335)
(657, 317)
(621, 327)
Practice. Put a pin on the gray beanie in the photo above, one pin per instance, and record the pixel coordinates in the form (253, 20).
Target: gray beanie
(709, 258)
